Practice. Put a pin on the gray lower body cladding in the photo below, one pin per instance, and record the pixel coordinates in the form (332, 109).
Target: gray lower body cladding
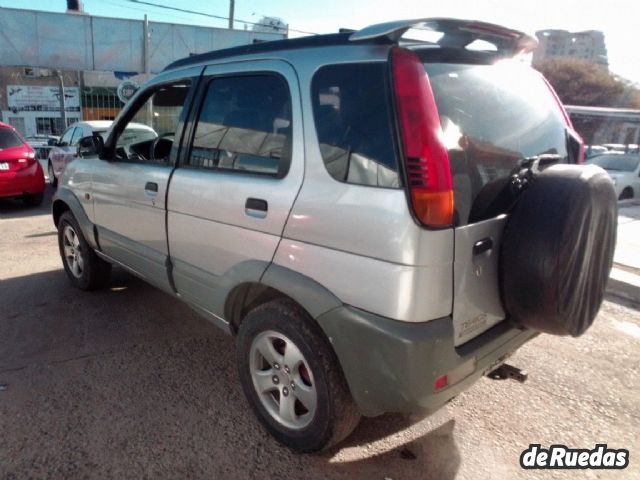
(391, 366)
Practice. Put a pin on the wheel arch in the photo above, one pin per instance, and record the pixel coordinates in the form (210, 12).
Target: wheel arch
(65, 201)
(278, 282)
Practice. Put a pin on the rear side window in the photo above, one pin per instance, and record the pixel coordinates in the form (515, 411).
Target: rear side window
(245, 126)
(354, 123)
(9, 138)
(492, 117)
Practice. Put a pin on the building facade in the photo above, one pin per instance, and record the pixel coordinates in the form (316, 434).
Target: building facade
(587, 45)
(99, 60)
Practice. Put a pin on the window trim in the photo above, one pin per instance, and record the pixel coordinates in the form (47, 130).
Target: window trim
(393, 126)
(138, 101)
(195, 119)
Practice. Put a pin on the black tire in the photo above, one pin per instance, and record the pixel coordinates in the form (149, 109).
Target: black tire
(33, 200)
(336, 414)
(626, 194)
(95, 271)
(52, 178)
(557, 250)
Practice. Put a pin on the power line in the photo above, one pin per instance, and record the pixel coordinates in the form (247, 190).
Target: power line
(210, 15)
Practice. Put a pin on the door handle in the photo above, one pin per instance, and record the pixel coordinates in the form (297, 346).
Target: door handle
(151, 187)
(256, 207)
(482, 246)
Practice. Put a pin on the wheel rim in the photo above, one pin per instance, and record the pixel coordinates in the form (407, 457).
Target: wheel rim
(283, 380)
(51, 175)
(72, 251)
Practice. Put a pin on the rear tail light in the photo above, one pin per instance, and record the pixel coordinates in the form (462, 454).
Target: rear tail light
(425, 157)
(573, 135)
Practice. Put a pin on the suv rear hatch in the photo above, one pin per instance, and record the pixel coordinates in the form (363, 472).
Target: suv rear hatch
(493, 113)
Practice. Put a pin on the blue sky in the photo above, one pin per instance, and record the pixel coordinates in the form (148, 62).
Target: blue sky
(618, 19)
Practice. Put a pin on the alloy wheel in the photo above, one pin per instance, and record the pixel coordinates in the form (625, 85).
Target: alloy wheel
(283, 380)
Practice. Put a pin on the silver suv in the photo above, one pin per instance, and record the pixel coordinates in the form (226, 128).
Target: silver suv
(337, 203)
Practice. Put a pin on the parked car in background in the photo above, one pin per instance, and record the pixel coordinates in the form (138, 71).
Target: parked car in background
(621, 147)
(593, 150)
(21, 174)
(624, 170)
(66, 149)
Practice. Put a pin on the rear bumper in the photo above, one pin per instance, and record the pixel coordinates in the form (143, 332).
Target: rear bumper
(391, 366)
(27, 181)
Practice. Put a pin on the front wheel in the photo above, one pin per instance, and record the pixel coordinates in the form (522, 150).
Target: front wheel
(626, 194)
(84, 268)
(292, 378)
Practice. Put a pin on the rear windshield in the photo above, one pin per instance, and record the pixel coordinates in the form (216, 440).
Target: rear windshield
(492, 116)
(616, 162)
(9, 138)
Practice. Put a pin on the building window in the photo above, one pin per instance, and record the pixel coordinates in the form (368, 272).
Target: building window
(51, 125)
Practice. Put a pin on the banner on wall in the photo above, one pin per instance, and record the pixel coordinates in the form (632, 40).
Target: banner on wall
(32, 98)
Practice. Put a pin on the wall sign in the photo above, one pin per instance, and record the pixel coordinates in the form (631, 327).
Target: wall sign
(32, 98)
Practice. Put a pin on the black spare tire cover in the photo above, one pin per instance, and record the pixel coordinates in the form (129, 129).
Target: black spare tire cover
(557, 249)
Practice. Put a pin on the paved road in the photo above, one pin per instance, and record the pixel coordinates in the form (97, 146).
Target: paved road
(129, 383)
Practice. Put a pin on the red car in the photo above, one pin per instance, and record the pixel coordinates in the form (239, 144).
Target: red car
(20, 172)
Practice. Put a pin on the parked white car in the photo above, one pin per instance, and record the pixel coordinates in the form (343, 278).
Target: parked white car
(66, 149)
(624, 170)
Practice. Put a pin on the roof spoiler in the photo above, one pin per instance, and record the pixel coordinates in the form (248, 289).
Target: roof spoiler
(456, 33)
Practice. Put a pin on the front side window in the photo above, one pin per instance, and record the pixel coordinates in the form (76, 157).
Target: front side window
(354, 124)
(66, 138)
(77, 134)
(244, 126)
(149, 136)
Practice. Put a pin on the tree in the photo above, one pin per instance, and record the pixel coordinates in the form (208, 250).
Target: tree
(581, 82)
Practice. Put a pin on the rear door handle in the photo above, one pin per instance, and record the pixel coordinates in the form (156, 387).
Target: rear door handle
(256, 207)
(151, 187)
(482, 246)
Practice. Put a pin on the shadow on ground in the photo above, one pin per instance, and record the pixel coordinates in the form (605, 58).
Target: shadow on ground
(128, 382)
(15, 208)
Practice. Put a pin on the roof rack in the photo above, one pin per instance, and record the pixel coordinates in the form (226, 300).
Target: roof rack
(273, 46)
(456, 33)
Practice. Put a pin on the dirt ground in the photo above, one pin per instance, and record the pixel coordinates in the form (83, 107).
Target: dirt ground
(128, 382)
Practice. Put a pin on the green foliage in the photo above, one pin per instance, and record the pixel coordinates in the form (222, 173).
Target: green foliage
(581, 82)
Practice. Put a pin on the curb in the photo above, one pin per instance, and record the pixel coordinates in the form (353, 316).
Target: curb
(624, 283)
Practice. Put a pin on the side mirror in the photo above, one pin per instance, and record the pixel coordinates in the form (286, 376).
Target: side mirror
(90, 146)
(62, 144)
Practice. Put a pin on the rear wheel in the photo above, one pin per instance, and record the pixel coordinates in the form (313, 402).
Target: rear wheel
(626, 194)
(292, 378)
(84, 268)
(33, 200)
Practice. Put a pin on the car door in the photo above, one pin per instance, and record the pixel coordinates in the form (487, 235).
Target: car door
(230, 198)
(130, 180)
(60, 152)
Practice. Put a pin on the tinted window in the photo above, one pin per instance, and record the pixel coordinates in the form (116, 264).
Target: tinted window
(617, 162)
(9, 138)
(492, 116)
(244, 125)
(353, 123)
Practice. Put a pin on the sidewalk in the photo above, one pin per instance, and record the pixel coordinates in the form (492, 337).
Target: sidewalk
(624, 280)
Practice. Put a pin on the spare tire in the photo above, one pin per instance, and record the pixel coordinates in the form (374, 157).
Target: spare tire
(557, 249)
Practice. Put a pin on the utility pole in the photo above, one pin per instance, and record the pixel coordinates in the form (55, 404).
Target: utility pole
(63, 110)
(232, 7)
